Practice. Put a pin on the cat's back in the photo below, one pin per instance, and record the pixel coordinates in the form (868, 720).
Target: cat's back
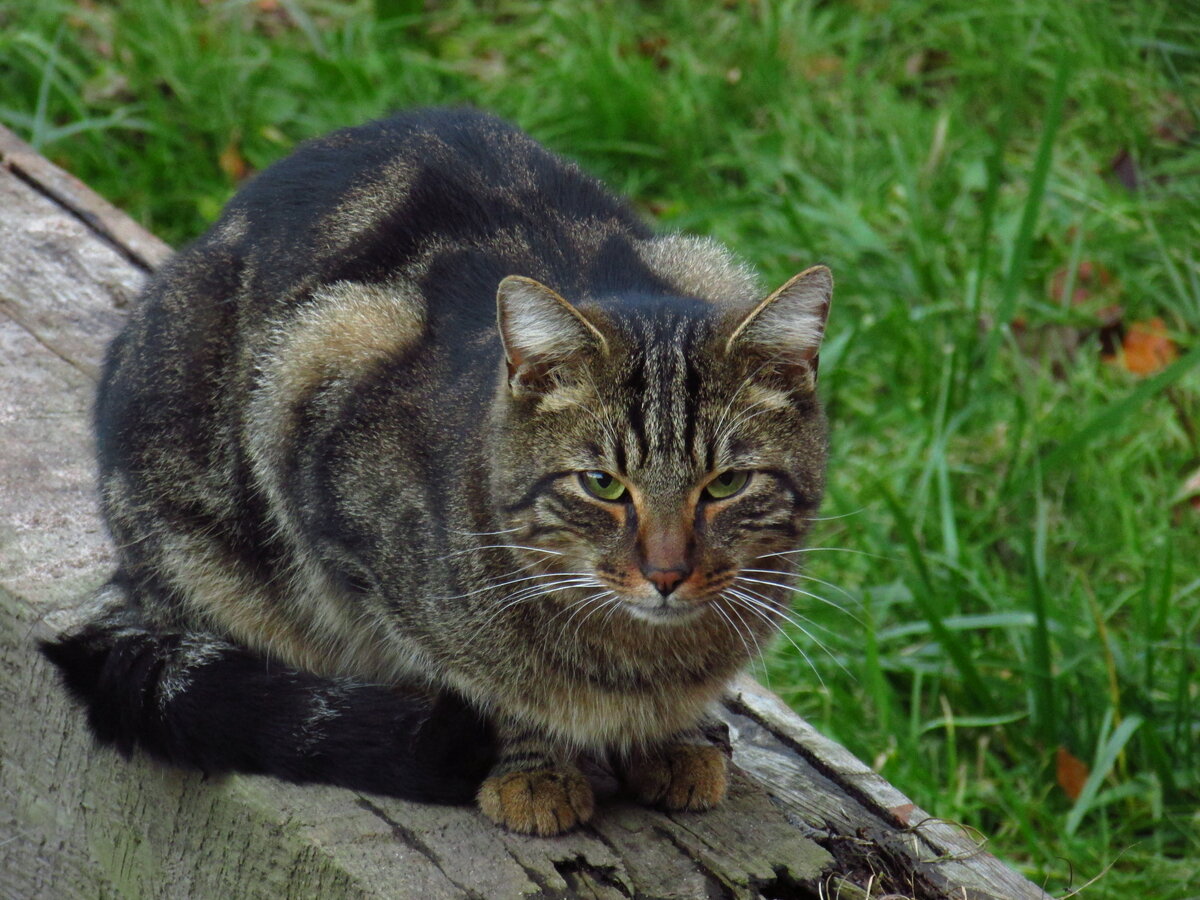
(449, 200)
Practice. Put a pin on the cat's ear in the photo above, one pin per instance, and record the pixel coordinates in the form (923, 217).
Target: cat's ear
(785, 330)
(542, 333)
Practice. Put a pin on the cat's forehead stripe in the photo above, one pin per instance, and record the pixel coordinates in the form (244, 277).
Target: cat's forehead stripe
(662, 399)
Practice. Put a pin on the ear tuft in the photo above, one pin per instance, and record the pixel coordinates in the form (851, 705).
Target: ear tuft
(786, 329)
(541, 333)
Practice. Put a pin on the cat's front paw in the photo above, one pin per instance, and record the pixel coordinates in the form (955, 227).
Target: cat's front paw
(544, 802)
(679, 776)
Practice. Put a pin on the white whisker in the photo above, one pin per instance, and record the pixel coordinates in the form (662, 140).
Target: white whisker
(536, 591)
(845, 515)
(496, 585)
(757, 646)
(817, 549)
(753, 606)
(794, 619)
(736, 631)
(612, 600)
(612, 611)
(604, 424)
(807, 577)
(497, 547)
(798, 590)
(486, 533)
(573, 609)
(720, 432)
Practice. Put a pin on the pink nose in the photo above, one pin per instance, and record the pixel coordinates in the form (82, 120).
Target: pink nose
(666, 580)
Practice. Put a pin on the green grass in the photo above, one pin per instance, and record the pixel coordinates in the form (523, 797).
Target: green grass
(1022, 577)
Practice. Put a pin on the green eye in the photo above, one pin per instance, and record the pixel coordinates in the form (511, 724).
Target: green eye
(602, 485)
(726, 484)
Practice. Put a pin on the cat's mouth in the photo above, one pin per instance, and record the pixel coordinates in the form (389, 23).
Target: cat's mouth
(684, 602)
(665, 611)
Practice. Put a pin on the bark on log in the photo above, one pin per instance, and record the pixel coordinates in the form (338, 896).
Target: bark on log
(804, 819)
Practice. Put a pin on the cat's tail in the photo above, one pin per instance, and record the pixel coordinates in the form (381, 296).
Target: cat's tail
(200, 702)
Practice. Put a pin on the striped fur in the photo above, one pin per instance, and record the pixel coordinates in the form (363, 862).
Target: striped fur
(345, 443)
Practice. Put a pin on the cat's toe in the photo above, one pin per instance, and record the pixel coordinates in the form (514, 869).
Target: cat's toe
(544, 802)
(681, 777)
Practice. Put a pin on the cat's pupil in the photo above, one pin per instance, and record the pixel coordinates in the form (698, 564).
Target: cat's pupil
(603, 486)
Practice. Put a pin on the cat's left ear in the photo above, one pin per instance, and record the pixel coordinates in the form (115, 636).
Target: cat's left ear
(543, 334)
(786, 329)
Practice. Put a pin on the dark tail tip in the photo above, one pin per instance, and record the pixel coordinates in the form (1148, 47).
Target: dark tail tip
(112, 677)
(79, 660)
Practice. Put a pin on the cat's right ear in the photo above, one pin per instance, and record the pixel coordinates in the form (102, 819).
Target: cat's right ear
(542, 334)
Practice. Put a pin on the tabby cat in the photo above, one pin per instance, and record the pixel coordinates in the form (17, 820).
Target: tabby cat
(432, 470)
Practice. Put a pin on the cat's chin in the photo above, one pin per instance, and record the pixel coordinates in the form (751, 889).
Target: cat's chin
(665, 613)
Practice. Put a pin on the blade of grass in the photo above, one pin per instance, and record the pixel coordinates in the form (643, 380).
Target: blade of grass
(1107, 751)
(1029, 216)
(1041, 663)
(956, 649)
(1187, 300)
(995, 168)
(873, 680)
(40, 114)
(1001, 620)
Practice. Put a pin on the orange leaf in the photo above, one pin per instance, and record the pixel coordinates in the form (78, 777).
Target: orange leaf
(231, 161)
(1146, 348)
(1072, 772)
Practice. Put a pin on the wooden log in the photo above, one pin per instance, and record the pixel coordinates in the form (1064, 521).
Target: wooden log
(804, 817)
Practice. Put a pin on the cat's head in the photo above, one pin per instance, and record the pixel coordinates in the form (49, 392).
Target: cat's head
(652, 449)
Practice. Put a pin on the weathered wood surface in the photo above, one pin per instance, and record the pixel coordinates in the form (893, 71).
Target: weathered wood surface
(805, 818)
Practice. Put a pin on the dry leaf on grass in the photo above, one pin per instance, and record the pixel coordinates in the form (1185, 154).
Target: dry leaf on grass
(1072, 772)
(654, 48)
(1146, 348)
(231, 161)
